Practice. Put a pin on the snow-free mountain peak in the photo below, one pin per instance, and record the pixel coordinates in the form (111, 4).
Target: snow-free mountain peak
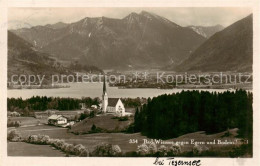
(141, 40)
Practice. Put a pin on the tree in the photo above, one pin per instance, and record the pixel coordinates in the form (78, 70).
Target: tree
(83, 116)
(93, 128)
(169, 116)
(92, 114)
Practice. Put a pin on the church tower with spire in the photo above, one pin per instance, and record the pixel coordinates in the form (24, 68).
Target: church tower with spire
(104, 97)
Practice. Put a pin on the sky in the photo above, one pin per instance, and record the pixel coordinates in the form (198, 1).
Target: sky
(27, 17)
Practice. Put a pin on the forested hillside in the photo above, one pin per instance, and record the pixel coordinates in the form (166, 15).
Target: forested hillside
(169, 116)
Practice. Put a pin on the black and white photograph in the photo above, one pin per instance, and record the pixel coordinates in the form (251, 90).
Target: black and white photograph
(170, 84)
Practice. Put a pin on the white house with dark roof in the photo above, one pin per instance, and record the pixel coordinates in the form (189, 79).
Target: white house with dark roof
(57, 120)
(111, 105)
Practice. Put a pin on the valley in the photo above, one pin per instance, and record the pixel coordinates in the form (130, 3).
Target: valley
(170, 88)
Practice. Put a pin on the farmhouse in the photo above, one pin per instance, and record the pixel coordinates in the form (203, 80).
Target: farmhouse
(13, 114)
(57, 120)
(94, 106)
(112, 105)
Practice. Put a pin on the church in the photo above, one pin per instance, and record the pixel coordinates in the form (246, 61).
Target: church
(111, 105)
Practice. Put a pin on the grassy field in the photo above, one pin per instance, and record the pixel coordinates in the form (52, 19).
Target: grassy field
(52, 131)
(44, 114)
(68, 113)
(106, 122)
(121, 139)
(41, 117)
(28, 121)
(25, 149)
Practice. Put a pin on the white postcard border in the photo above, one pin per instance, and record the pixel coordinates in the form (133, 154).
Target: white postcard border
(72, 161)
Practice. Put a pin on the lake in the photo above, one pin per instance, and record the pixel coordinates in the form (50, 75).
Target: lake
(78, 90)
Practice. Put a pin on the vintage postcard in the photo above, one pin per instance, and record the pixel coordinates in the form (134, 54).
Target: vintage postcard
(130, 83)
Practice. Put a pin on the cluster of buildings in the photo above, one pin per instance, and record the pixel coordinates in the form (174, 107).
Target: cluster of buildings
(13, 114)
(109, 106)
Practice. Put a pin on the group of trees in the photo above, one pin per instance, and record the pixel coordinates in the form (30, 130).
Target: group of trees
(86, 114)
(44, 103)
(168, 116)
(13, 123)
(133, 102)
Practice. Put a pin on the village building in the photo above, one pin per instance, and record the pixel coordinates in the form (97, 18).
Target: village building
(13, 114)
(111, 105)
(82, 106)
(94, 106)
(57, 120)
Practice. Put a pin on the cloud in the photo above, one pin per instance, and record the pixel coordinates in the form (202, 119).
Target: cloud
(24, 17)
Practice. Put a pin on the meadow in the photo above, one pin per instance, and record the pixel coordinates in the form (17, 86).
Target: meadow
(107, 123)
(25, 149)
(28, 121)
(121, 139)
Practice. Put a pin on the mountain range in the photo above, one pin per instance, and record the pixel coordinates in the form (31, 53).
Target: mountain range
(24, 59)
(138, 40)
(206, 31)
(228, 50)
(144, 40)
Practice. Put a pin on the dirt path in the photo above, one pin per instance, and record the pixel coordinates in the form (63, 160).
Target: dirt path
(47, 129)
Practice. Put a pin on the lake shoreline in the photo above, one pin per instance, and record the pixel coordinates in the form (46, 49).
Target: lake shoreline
(79, 90)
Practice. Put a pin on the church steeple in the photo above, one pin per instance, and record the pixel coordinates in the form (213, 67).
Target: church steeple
(104, 96)
(104, 85)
